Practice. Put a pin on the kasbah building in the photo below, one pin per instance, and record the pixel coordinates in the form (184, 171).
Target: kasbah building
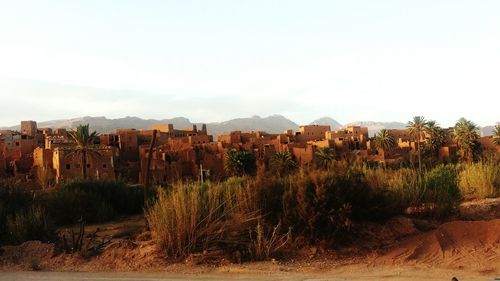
(185, 154)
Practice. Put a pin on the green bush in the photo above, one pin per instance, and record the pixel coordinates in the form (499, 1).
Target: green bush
(392, 190)
(247, 215)
(94, 201)
(442, 188)
(68, 205)
(239, 163)
(269, 190)
(401, 188)
(12, 201)
(408, 186)
(320, 204)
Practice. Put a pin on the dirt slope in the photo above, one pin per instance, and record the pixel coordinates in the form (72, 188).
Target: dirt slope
(473, 245)
(466, 247)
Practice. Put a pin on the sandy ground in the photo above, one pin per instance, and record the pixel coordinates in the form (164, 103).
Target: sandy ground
(261, 271)
(400, 249)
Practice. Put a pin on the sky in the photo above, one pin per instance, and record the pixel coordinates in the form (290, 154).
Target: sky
(217, 60)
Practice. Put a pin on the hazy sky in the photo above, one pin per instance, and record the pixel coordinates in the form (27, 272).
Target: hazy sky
(216, 60)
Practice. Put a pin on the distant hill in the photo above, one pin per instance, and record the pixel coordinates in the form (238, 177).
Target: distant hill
(486, 130)
(105, 125)
(334, 125)
(271, 124)
(374, 127)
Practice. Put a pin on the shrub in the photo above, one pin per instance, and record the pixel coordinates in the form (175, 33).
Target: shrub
(315, 204)
(377, 178)
(408, 186)
(442, 188)
(270, 190)
(12, 201)
(94, 201)
(479, 180)
(30, 224)
(196, 217)
(401, 188)
(239, 163)
(68, 205)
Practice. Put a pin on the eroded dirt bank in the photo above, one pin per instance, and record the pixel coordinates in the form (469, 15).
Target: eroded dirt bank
(395, 249)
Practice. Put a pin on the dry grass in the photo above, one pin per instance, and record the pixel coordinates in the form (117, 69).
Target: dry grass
(196, 217)
(480, 180)
(267, 244)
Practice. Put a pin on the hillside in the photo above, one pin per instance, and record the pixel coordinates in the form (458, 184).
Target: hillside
(374, 127)
(271, 124)
(486, 130)
(334, 124)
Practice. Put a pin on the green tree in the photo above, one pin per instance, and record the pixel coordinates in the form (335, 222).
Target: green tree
(385, 140)
(496, 134)
(434, 137)
(239, 163)
(466, 134)
(282, 162)
(416, 129)
(324, 157)
(84, 146)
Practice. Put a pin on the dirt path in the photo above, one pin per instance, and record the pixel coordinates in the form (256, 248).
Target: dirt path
(345, 273)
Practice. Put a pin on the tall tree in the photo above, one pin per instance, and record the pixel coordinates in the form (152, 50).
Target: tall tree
(416, 129)
(282, 162)
(148, 175)
(434, 136)
(431, 128)
(84, 146)
(148, 165)
(324, 157)
(466, 134)
(496, 134)
(385, 140)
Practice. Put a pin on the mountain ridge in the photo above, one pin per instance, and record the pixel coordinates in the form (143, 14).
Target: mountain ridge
(272, 124)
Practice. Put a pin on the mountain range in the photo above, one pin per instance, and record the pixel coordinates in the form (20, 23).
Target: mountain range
(270, 124)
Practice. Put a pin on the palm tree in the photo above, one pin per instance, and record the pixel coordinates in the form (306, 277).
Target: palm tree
(465, 133)
(435, 136)
(431, 128)
(416, 129)
(385, 140)
(84, 146)
(324, 157)
(496, 134)
(282, 162)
